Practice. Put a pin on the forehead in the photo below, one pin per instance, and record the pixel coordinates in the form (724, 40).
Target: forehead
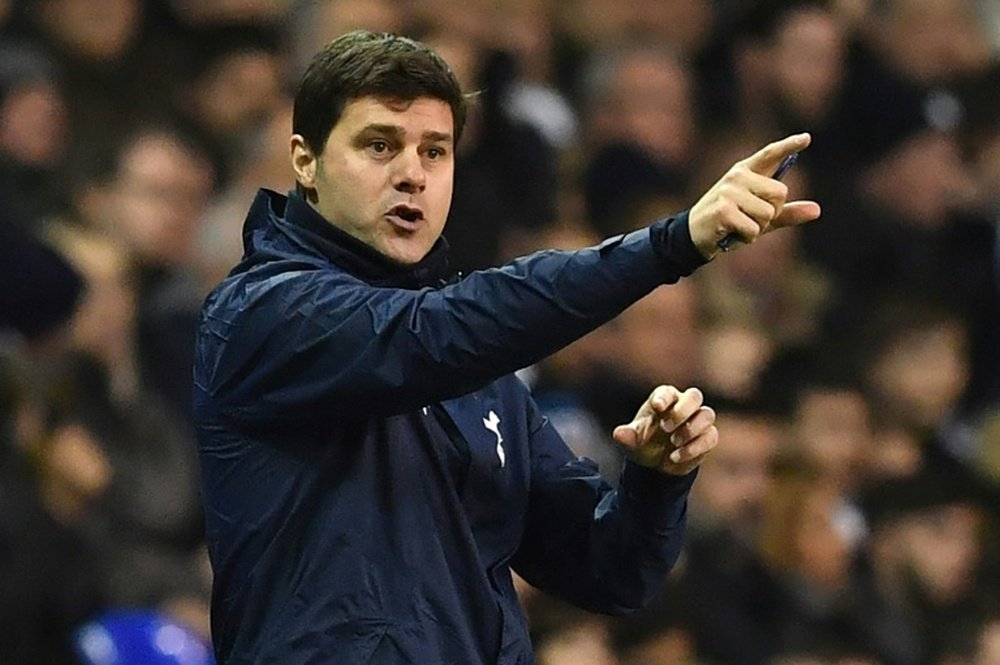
(418, 116)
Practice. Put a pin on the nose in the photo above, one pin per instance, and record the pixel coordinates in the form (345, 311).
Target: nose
(409, 175)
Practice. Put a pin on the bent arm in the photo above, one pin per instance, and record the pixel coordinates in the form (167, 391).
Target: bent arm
(605, 550)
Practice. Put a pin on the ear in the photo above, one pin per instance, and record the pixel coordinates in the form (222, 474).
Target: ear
(304, 161)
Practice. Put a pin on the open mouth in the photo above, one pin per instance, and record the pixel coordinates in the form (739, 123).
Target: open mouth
(406, 213)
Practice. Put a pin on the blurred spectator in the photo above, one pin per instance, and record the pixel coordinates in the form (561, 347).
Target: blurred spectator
(924, 573)
(508, 173)
(900, 231)
(40, 287)
(980, 138)
(230, 12)
(661, 633)
(790, 60)
(584, 642)
(116, 465)
(33, 133)
(734, 356)
(654, 338)
(728, 598)
(99, 47)
(527, 32)
(231, 90)
(264, 164)
(833, 652)
(895, 223)
(804, 50)
(809, 539)
(153, 198)
(45, 570)
(894, 450)
(641, 131)
(988, 643)
(565, 635)
(734, 487)
(917, 369)
(929, 41)
(831, 427)
(315, 23)
(687, 24)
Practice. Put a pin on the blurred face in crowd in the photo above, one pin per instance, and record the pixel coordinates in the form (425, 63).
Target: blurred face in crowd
(942, 545)
(733, 484)
(932, 40)
(988, 649)
(923, 374)
(821, 542)
(239, 89)
(104, 319)
(649, 103)
(158, 198)
(97, 30)
(734, 355)
(807, 58)
(33, 124)
(656, 106)
(658, 336)
(808, 531)
(833, 428)
(922, 180)
(386, 173)
(584, 644)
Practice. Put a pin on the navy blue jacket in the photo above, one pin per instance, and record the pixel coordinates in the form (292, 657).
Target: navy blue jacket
(371, 468)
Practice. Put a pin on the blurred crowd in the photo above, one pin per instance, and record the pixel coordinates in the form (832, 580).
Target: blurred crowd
(849, 515)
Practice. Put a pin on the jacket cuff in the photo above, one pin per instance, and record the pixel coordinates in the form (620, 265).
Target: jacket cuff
(671, 239)
(655, 498)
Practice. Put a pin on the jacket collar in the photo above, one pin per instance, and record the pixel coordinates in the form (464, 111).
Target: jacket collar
(306, 227)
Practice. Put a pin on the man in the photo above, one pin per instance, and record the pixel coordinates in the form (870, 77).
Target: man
(372, 469)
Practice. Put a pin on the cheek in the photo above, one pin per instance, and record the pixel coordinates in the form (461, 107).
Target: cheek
(350, 188)
(441, 193)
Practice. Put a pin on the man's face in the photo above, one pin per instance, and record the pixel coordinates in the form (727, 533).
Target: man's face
(386, 173)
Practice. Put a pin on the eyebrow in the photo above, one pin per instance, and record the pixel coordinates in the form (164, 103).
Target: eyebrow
(395, 131)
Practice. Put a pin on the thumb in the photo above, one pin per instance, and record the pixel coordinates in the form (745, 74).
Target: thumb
(797, 212)
(626, 435)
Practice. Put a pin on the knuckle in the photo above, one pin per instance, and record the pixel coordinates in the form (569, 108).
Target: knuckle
(727, 209)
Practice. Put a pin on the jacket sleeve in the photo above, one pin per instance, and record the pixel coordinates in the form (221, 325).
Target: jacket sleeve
(286, 344)
(606, 550)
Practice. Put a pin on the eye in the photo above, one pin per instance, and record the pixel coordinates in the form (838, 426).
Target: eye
(436, 153)
(379, 146)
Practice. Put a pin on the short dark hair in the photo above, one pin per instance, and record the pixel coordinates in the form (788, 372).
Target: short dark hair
(362, 63)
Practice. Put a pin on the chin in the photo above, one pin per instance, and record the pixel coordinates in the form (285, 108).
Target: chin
(405, 255)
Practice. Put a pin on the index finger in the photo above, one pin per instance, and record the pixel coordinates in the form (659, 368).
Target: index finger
(767, 159)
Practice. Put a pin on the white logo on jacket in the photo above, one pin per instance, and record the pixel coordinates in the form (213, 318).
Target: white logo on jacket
(492, 423)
